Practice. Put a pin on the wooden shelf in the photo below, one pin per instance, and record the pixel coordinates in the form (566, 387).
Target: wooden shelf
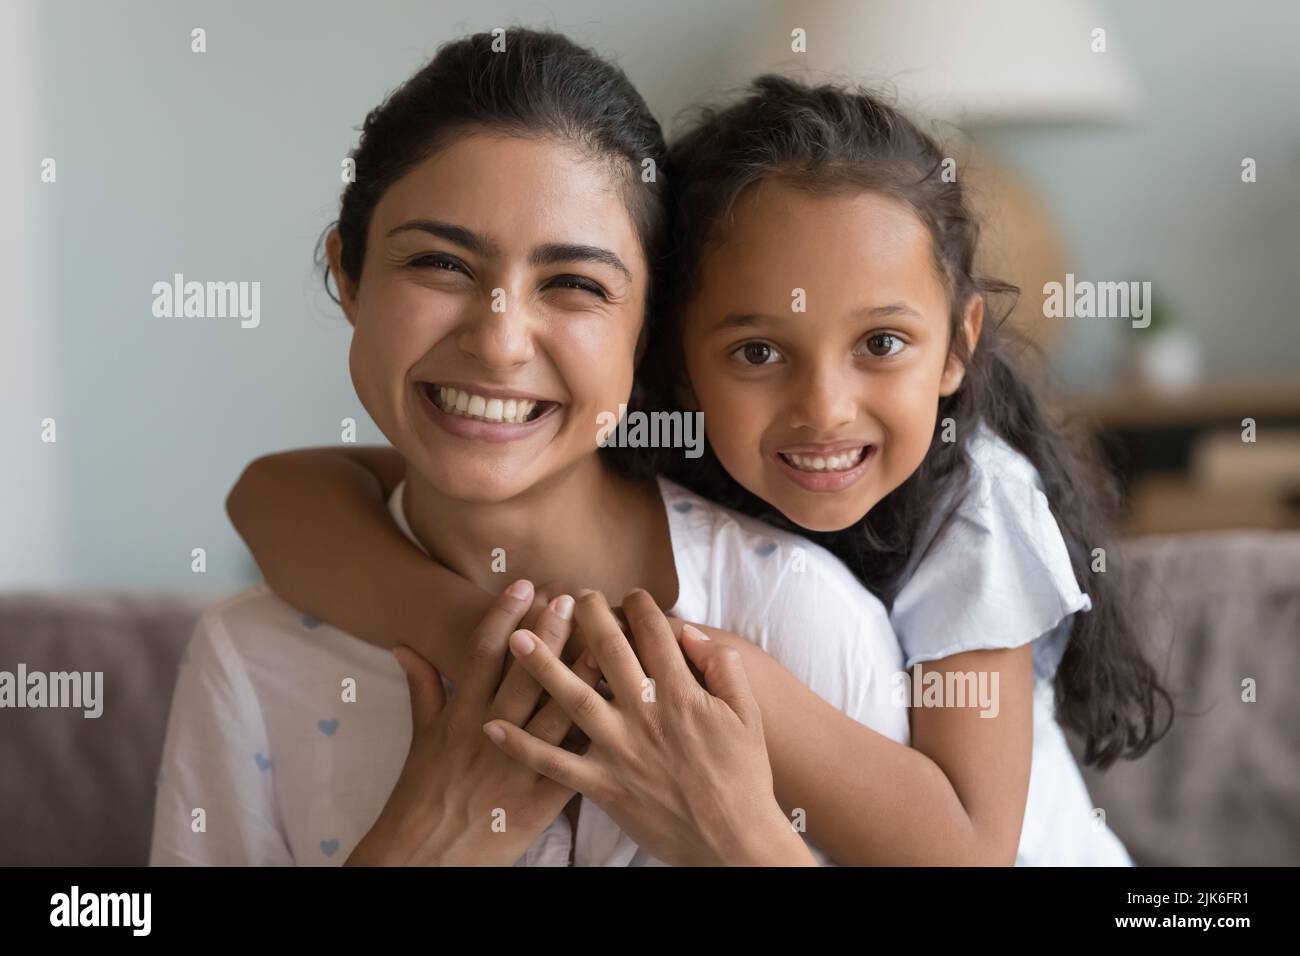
(1136, 407)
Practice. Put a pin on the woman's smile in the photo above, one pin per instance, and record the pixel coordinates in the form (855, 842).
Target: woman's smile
(482, 413)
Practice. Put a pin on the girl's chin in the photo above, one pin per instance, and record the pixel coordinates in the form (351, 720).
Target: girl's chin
(822, 513)
(826, 524)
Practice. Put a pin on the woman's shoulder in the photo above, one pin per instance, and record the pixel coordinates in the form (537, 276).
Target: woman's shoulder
(257, 634)
(750, 543)
(739, 559)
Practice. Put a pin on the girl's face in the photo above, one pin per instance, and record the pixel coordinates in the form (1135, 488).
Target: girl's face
(501, 299)
(817, 346)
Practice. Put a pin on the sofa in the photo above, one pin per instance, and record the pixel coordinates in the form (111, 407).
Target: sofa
(1217, 609)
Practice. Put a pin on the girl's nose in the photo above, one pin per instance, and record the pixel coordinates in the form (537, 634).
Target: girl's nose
(824, 401)
(498, 334)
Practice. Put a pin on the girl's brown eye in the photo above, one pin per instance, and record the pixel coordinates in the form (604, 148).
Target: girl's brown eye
(757, 353)
(883, 344)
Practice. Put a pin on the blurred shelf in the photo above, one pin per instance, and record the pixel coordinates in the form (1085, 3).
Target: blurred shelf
(1180, 456)
(1133, 406)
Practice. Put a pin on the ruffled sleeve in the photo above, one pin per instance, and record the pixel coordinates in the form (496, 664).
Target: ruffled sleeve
(996, 575)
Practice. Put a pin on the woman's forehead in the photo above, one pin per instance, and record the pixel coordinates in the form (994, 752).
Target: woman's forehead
(519, 191)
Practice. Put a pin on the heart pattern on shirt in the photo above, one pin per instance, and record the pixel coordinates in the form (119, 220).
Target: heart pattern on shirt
(327, 727)
(763, 550)
(309, 622)
(329, 847)
(683, 506)
(263, 763)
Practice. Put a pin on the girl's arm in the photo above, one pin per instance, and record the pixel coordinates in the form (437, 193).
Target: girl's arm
(957, 795)
(317, 522)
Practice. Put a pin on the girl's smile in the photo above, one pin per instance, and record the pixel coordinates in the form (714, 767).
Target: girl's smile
(826, 468)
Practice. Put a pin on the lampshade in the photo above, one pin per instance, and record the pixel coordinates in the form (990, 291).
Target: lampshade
(991, 62)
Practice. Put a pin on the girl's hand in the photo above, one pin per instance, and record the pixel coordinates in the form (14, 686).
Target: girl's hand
(681, 769)
(459, 800)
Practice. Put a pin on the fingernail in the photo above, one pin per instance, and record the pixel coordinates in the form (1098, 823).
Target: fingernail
(521, 643)
(494, 732)
(694, 632)
(520, 590)
(563, 607)
(589, 660)
(585, 591)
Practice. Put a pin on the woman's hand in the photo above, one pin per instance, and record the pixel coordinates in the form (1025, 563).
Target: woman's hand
(459, 800)
(682, 769)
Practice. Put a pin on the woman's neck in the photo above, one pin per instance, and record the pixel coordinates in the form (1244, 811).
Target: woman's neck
(587, 528)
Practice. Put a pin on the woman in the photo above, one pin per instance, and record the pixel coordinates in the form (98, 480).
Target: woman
(498, 245)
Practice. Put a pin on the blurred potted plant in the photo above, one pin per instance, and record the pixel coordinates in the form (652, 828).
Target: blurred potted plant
(1165, 356)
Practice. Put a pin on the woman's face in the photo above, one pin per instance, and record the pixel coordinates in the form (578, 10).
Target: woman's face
(821, 412)
(498, 313)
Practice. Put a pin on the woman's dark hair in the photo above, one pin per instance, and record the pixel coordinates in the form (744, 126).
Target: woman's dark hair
(828, 138)
(519, 82)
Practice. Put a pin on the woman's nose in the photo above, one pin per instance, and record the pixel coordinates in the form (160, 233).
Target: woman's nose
(498, 334)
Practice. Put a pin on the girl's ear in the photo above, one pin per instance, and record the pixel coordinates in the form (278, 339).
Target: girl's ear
(954, 371)
(347, 294)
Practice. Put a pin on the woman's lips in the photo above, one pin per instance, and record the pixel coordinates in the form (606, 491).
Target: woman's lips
(478, 429)
(829, 480)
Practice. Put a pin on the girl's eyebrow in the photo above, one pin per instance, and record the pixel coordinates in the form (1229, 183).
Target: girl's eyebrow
(741, 320)
(893, 310)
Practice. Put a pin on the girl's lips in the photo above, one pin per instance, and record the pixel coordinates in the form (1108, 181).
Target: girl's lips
(476, 429)
(827, 482)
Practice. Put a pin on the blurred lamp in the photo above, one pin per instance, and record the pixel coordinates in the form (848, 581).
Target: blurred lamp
(1007, 63)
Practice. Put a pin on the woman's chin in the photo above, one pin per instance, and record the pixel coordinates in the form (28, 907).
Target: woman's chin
(477, 483)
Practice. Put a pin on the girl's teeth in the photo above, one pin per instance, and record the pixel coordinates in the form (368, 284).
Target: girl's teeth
(457, 402)
(838, 462)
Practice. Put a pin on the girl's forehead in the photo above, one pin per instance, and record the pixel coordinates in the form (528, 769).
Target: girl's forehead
(800, 235)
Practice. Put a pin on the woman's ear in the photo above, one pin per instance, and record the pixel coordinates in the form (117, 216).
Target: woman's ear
(954, 371)
(685, 395)
(347, 294)
(641, 341)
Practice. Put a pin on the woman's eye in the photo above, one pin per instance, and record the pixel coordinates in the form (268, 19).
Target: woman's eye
(443, 262)
(757, 353)
(578, 283)
(884, 344)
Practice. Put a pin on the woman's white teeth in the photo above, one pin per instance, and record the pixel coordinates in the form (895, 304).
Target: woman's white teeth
(840, 462)
(511, 410)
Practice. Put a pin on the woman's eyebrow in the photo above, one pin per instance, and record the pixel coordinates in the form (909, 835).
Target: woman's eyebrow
(465, 238)
(555, 252)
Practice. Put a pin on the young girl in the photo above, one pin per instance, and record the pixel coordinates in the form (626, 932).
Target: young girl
(827, 321)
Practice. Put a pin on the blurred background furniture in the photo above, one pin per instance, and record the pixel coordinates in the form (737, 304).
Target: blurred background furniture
(1223, 788)
(1182, 457)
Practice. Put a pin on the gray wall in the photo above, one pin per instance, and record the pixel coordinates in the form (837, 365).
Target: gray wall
(1162, 200)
